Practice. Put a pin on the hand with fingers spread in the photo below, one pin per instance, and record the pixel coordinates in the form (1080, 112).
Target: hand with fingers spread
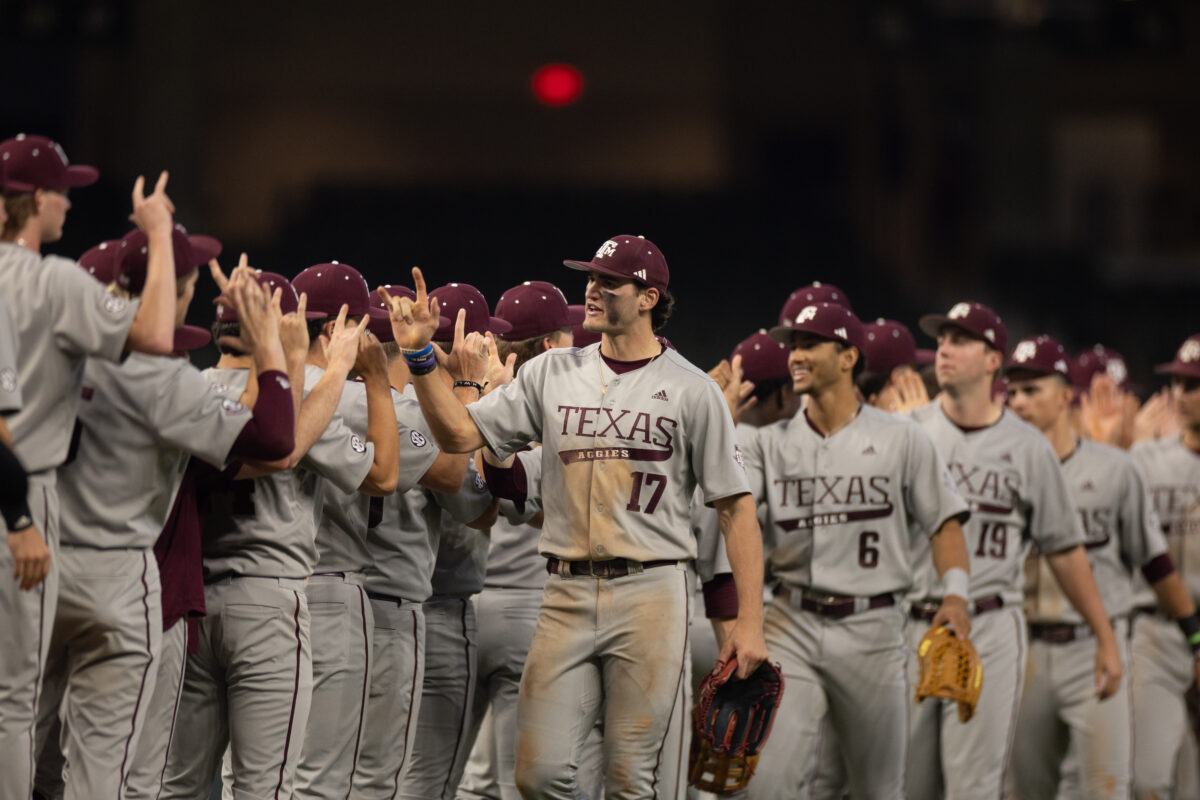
(1100, 409)
(1156, 418)
(242, 272)
(258, 316)
(499, 373)
(414, 322)
(468, 356)
(341, 346)
(293, 332)
(738, 392)
(153, 214)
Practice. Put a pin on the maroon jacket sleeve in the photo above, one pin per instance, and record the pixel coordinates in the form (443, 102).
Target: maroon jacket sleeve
(271, 433)
(507, 484)
(720, 597)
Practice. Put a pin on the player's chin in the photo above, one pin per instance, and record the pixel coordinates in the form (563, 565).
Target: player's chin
(595, 324)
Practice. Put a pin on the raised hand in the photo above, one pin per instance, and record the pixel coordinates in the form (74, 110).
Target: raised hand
(371, 360)
(1100, 409)
(468, 356)
(414, 322)
(153, 214)
(341, 346)
(1156, 417)
(499, 373)
(258, 315)
(293, 332)
(909, 390)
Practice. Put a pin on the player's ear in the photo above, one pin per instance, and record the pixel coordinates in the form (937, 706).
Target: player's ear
(848, 358)
(648, 299)
(995, 360)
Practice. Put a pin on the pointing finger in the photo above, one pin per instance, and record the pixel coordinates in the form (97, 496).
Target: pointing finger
(139, 191)
(418, 283)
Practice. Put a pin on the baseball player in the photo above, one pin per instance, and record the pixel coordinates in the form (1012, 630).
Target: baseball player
(403, 542)
(61, 316)
(1059, 707)
(1161, 672)
(815, 292)
(1010, 477)
(507, 607)
(138, 424)
(341, 621)
(620, 424)
(847, 489)
(442, 745)
(890, 380)
(249, 683)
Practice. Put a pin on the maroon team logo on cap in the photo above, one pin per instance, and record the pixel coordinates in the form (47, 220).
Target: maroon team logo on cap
(976, 319)
(625, 256)
(1187, 360)
(1039, 355)
(827, 320)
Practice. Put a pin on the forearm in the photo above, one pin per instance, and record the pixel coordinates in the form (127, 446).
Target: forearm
(452, 426)
(381, 432)
(1074, 575)
(1173, 596)
(743, 546)
(153, 328)
(268, 355)
(295, 372)
(949, 549)
(14, 490)
(315, 413)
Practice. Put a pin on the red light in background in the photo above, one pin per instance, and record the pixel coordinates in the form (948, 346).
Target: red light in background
(557, 84)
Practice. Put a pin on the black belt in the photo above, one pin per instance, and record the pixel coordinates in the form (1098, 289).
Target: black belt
(926, 610)
(387, 598)
(1058, 632)
(613, 568)
(835, 606)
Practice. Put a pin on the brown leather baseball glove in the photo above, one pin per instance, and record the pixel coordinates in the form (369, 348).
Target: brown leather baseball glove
(949, 668)
(730, 724)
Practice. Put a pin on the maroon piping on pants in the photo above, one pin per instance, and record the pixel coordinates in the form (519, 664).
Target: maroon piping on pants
(287, 742)
(1012, 724)
(687, 605)
(362, 707)
(37, 683)
(149, 664)
(162, 776)
(412, 693)
(462, 722)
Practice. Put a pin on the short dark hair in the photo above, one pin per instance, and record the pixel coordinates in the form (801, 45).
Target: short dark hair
(662, 309)
(19, 207)
(225, 327)
(871, 383)
(767, 388)
(859, 365)
(525, 348)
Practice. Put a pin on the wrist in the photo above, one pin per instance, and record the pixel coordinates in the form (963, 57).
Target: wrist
(956, 583)
(1191, 632)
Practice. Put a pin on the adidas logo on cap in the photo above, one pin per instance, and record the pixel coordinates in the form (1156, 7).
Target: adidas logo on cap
(640, 274)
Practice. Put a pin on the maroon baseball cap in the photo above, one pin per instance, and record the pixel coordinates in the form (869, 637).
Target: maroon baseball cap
(1042, 355)
(535, 308)
(827, 320)
(974, 318)
(289, 299)
(1095, 360)
(815, 292)
(190, 252)
(926, 356)
(454, 296)
(1187, 360)
(333, 285)
(35, 162)
(191, 337)
(888, 344)
(582, 337)
(763, 358)
(101, 261)
(8, 184)
(634, 257)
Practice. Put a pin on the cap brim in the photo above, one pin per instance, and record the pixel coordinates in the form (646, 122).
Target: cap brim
(925, 356)
(931, 324)
(588, 266)
(16, 187)
(382, 328)
(497, 325)
(1009, 369)
(204, 249)
(81, 175)
(191, 337)
(576, 315)
(1178, 369)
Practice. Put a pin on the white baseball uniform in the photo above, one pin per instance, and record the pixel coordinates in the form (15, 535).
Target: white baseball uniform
(1009, 474)
(623, 448)
(62, 315)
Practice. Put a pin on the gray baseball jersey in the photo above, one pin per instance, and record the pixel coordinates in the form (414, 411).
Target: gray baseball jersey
(1009, 474)
(267, 526)
(345, 516)
(711, 557)
(1172, 472)
(10, 389)
(62, 316)
(611, 445)
(462, 553)
(138, 424)
(513, 561)
(1122, 533)
(848, 511)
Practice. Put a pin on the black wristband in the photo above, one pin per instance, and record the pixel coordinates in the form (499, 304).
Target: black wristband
(14, 503)
(1191, 631)
(471, 384)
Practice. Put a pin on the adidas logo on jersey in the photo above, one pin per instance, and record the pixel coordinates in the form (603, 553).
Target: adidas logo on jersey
(661, 394)
(1006, 458)
(870, 451)
(640, 274)
(1088, 486)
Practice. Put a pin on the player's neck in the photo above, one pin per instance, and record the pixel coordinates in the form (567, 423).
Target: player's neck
(1062, 436)
(971, 406)
(831, 409)
(231, 361)
(316, 356)
(634, 345)
(28, 237)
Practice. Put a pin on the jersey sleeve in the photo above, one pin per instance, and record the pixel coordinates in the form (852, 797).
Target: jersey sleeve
(716, 456)
(511, 417)
(1142, 538)
(928, 489)
(751, 444)
(87, 319)
(531, 462)
(340, 455)
(10, 387)
(471, 499)
(1053, 524)
(186, 413)
(417, 454)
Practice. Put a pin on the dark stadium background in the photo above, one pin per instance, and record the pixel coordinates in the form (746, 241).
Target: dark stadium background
(1042, 156)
